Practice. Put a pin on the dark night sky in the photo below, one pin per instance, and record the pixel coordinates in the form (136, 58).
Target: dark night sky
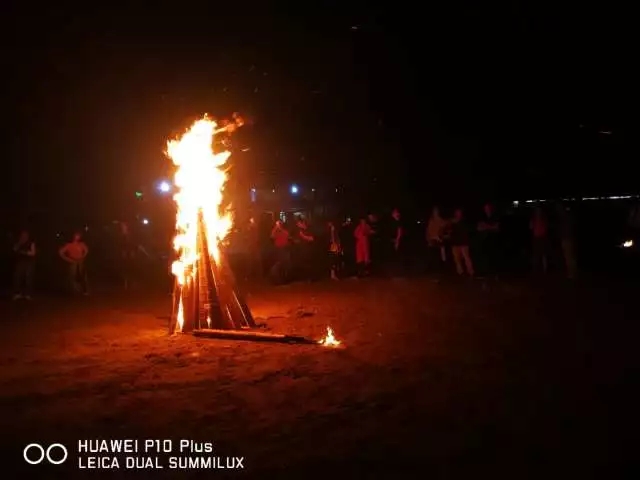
(485, 101)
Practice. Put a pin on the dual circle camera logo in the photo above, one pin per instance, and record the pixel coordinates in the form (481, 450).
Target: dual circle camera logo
(34, 454)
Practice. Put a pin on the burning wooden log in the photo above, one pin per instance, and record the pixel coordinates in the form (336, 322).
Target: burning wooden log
(209, 304)
(252, 335)
(210, 298)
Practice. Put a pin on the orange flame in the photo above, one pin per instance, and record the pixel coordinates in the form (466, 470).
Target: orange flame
(200, 180)
(329, 340)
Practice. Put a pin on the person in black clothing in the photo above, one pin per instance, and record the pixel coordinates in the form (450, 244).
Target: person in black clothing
(459, 235)
(348, 245)
(565, 225)
(398, 242)
(489, 229)
(25, 258)
(128, 253)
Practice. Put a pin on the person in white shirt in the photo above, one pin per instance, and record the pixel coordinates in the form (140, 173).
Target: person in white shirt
(436, 231)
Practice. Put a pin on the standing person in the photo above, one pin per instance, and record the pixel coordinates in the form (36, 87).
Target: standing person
(489, 229)
(398, 243)
(334, 251)
(348, 244)
(130, 257)
(281, 269)
(540, 241)
(75, 253)
(515, 235)
(306, 262)
(436, 227)
(128, 252)
(362, 235)
(25, 259)
(460, 244)
(374, 243)
(566, 234)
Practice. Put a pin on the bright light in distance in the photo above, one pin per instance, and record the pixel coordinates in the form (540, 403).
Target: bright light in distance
(294, 189)
(627, 244)
(145, 221)
(164, 187)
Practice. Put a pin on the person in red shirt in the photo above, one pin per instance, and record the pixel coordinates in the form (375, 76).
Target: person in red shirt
(305, 258)
(75, 253)
(281, 240)
(362, 233)
(540, 241)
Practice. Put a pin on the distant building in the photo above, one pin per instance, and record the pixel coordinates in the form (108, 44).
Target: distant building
(283, 204)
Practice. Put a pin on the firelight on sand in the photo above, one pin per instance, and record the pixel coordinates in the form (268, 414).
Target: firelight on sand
(199, 180)
(330, 340)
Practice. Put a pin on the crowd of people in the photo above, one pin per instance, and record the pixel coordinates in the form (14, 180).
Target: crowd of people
(476, 246)
(73, 253)
(380, 246)
(73, 256)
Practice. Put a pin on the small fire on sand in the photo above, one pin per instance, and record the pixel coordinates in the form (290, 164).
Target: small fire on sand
(200, 180)
(330, 340)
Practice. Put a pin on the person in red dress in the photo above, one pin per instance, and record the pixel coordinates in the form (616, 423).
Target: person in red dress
(281, 269)
(362, 234)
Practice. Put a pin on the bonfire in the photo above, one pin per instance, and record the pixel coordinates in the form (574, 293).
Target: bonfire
(206, 298)
(200, 179)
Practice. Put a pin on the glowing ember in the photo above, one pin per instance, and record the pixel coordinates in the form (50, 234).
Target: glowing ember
(329, 340)
(199, 179)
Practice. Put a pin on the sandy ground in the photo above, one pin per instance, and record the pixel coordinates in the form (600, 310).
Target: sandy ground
(436, 380)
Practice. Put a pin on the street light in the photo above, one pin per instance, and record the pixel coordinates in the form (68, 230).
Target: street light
(164, 187)
(294, 189)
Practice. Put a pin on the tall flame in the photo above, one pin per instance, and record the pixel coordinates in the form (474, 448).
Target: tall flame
(200, 180)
